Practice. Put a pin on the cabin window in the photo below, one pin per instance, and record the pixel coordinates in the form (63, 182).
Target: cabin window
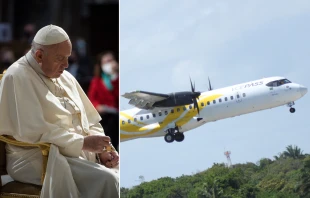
(243, 94)
(231, 97)
(141, 118)
(214, 101)
(159, 113)
(172, 110)
(135, 119)
(178, 109)
(220, 100)
(184, 108)
(202, 104)
(147, 116)
(166, 112)
(154, 115)
(123, 122)
(208, 103)
(129, 121)
(226, 99)
(190, 106)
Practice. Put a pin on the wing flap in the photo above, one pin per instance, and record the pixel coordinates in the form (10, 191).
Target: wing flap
(143, 99)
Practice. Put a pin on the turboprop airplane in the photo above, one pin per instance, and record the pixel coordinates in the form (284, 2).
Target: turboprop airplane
(170, 115)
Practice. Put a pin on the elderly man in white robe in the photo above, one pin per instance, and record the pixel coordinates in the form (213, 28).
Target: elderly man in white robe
(41, 102)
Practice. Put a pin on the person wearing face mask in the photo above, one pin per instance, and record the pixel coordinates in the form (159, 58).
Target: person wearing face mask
(104, 94)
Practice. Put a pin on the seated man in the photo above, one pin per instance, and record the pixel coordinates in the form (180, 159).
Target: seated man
(41, 102)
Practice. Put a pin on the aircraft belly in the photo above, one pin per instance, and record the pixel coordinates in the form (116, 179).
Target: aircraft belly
(132, 131)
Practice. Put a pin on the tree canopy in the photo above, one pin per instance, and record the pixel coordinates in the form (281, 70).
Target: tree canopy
(286, 176)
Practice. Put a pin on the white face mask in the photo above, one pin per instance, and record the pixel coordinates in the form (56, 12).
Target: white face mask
(107, 68)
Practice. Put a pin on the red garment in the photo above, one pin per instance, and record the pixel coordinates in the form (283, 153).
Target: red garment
(98, 93)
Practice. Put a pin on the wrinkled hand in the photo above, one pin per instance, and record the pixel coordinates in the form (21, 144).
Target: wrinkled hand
(96, 143)
(109, 159)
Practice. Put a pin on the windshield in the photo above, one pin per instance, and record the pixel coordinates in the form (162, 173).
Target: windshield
(277, 83)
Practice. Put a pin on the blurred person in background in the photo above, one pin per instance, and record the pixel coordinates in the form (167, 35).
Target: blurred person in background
(73, 64)
(104, 94)
(79, 68)
(7, 59)
(29, 32)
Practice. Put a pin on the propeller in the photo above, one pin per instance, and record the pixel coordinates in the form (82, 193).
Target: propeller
(210, 88)
(195, 96)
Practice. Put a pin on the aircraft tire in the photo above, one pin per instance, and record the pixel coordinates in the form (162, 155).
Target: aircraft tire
(292, 110)
(169, 138)
(179, 137)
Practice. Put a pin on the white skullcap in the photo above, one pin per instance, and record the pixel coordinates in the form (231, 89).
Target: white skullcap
(50, 34)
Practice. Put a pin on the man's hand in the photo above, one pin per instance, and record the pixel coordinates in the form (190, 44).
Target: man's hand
(96, 143)
(109, 159)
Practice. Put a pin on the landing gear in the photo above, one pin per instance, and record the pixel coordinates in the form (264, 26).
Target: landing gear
(172, 135)
(179, 137)
(290, 104)
(169, 137)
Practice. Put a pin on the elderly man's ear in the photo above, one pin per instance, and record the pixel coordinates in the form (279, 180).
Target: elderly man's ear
(39, 56)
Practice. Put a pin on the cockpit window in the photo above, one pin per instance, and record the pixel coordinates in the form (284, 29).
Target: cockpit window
(277, 83)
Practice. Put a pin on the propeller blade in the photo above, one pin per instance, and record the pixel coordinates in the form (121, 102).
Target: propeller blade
(175, 102)
(210, 88)
(196, 105)
(193, 89)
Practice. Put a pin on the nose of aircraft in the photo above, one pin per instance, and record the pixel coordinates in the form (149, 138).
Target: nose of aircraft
(303, 90)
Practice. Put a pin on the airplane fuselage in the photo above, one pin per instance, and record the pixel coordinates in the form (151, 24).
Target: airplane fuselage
(214, 105)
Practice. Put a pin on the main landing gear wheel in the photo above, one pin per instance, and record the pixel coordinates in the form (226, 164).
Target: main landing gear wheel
(292, 110)
(179, 137)
(169, 137)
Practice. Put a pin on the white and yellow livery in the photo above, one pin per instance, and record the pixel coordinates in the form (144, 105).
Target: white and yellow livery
(155, 116)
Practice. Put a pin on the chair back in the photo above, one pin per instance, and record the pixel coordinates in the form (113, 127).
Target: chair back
(2, 159)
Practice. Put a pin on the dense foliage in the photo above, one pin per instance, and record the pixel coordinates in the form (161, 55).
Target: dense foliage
(286, 176)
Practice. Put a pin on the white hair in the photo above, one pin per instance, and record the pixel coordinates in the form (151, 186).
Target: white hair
(35, 46)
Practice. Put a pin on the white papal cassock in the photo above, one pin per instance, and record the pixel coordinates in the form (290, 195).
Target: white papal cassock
(34, 108)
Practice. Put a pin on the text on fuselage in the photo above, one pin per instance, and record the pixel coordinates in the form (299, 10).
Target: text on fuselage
(248, 85)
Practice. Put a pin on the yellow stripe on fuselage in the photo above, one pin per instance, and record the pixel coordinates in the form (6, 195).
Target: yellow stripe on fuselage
(135, 131)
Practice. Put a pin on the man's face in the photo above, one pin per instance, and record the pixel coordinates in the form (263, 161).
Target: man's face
(54, 59)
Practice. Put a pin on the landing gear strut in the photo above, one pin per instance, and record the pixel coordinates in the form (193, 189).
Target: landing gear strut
(172, 135)
(290, 104)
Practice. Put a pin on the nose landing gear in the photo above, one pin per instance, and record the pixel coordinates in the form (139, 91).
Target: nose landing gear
(172, 135)
(292, 110)
(290, 104)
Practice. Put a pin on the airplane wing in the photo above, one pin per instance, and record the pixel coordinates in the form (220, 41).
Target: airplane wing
(144, 99)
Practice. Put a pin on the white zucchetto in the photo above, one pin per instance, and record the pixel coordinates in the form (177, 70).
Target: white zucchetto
(50, 34)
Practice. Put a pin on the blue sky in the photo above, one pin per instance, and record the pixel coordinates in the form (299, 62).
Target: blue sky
(163, 42)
